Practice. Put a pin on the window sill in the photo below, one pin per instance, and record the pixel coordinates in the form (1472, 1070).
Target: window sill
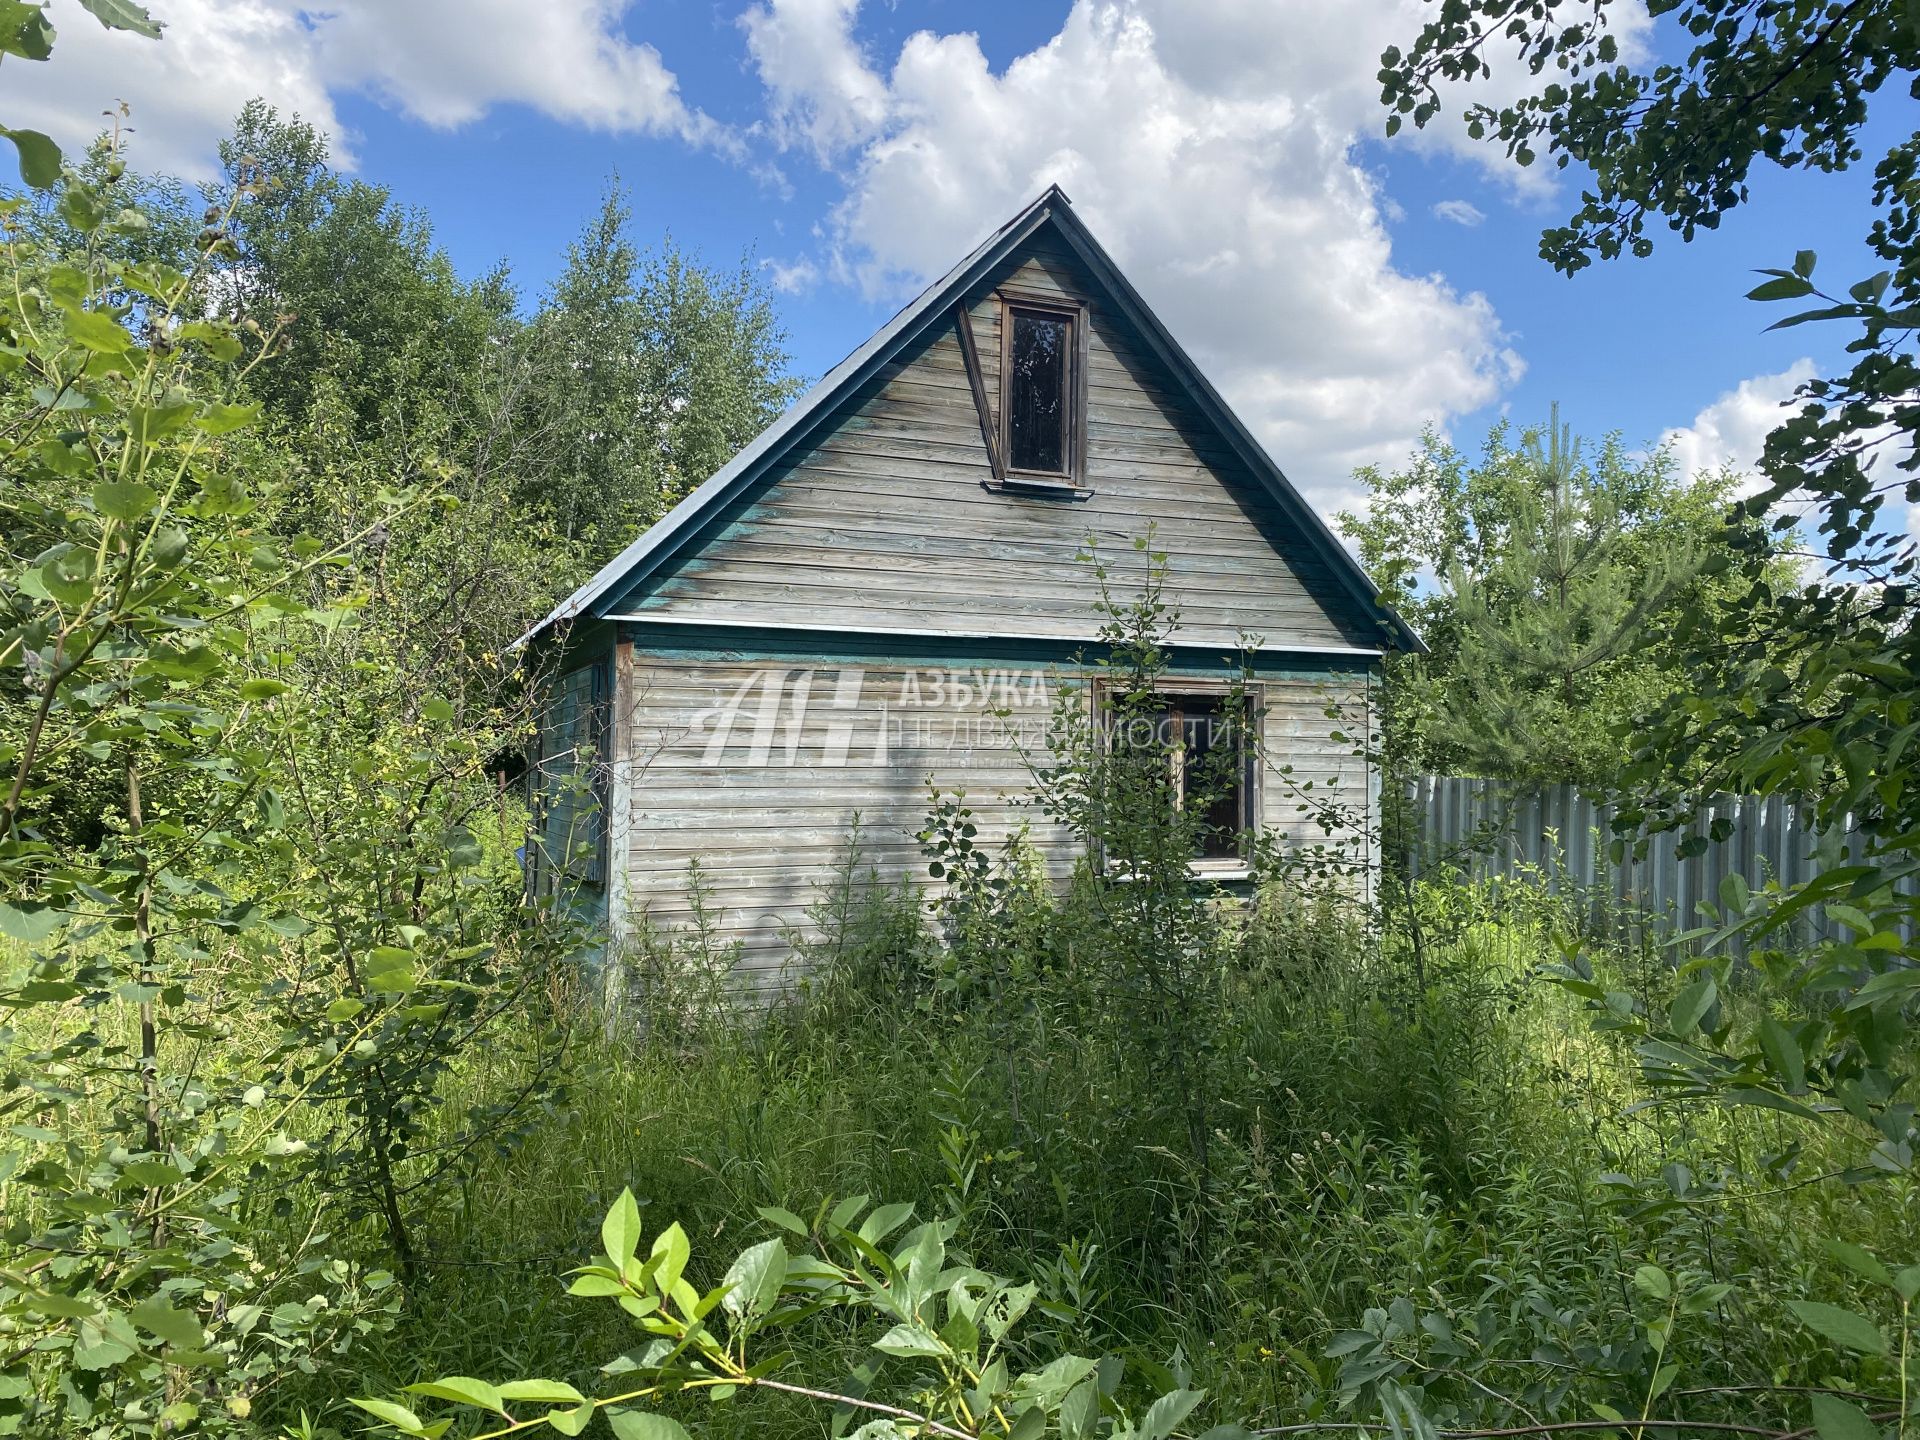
(1216, 870)
(1220, 870)
(1061, 489)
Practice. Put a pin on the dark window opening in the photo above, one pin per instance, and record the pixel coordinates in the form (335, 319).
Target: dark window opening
(1212, 773)
(1209, 772)
(1037, 393)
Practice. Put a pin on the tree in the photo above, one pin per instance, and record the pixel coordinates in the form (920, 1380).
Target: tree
(370, 302)
(1544, 579)
(1789, 84)
(645, 372)
(1814, 689)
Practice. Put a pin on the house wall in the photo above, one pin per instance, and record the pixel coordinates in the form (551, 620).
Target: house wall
(881, 522)
(567, 850)
(756, 766)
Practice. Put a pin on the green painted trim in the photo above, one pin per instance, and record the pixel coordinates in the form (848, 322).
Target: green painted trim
(731, 645)
(578, 645)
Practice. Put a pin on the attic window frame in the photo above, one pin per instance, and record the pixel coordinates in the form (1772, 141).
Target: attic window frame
(1073, 475)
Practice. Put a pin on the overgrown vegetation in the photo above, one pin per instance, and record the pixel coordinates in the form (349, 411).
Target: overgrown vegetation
(308, 1116)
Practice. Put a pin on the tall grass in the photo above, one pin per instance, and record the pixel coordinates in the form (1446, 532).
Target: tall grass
(1460, 1151)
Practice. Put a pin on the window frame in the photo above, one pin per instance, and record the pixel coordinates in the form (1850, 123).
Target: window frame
(1074, 312)
(1173, 689)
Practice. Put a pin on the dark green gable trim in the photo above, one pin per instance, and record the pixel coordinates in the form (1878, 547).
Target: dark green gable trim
(737, 644)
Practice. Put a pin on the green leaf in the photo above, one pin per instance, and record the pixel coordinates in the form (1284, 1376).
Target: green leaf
(1080, 1411)
(596, 1287)
(398, 1416)
(220, 340)
(541, 1392)
(225, 419)
(1837, 1419)
(1783, 1054)
(670, 1252)
(1049, 1386)
(39, 157)
(462, 1390)
(1651, 1280)
(176, 1327)
(148, 424)
(1691, 1005)
(151, 1174)
(620, 1231)
(572, 1422)
(1859, 1261)
(785, 1219)
(123, 15)
(884, 1221)
(31, 923)
(68, 1307)
(124, 499)
(910, 1340)
(1843, 1327)
(25, 31)
(645, 1425)
(1167, 1412)
(753, 1280)
(97, 331)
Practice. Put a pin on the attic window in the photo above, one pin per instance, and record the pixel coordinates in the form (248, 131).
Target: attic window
(1037, 391)
(1043, 388)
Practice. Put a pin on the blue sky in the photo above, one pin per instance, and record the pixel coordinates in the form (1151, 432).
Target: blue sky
(1227, 151)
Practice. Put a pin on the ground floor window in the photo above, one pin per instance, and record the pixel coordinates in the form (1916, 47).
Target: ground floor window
(1204, 738)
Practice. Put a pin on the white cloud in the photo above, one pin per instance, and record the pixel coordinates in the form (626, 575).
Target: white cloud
(1460, 212)
(183, 90)
(792, 278)
(819, 85)
(1731, 432)
(443, 62)
(1210, 146)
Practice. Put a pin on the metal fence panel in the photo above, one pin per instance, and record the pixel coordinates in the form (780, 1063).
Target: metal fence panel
(1563, 838)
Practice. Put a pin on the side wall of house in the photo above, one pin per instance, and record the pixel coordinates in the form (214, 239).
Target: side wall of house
(758, 767)
(568, 793)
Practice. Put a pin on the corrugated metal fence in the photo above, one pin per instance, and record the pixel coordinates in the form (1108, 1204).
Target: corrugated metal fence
(1562, 837)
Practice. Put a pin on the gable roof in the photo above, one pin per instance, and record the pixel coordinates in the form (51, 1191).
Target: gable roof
(932, 307)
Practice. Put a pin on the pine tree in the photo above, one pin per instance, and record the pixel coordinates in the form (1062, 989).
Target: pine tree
(1544, 579)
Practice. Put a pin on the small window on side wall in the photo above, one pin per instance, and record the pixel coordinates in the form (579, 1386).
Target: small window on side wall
(1042, 389)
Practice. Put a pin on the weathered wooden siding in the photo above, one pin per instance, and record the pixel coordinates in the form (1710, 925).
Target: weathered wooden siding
(757, 770)
(882, 522)
(568, 854)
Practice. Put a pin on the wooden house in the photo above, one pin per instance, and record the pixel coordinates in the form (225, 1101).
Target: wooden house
(828, 626)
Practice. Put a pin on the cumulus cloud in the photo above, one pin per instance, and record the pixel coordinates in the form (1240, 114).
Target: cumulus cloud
(1731, 432)
(792, 278)
(1211, 147)
(1460, 212)
(820, 88)
(443, 62)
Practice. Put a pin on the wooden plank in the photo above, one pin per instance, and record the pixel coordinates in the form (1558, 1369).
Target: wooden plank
(971, 354)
